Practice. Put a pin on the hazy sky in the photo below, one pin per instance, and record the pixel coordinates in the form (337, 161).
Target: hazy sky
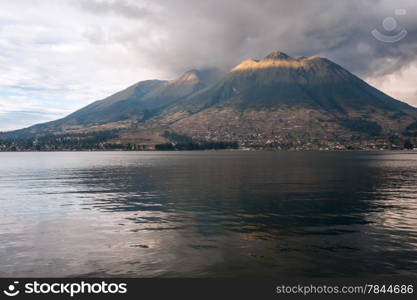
(57, 56)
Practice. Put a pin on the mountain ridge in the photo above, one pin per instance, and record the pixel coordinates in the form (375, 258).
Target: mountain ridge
(277, 102)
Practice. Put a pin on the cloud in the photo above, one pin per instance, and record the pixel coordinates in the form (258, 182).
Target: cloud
(66, 54)
(128, 9)
(21, 110)
(400, 84)
(184, 34)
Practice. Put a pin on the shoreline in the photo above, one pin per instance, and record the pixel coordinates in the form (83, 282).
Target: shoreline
(222, 150)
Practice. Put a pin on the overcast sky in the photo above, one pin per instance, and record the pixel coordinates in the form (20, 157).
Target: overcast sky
(58, 56)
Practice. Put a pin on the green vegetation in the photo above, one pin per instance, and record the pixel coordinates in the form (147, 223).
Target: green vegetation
(70, 141)
(408, 145)
(184, 142)
(362, 126)
(411, 130)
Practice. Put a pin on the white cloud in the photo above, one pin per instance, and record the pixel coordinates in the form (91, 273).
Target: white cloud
(19, 110)
(400, 84)
(55, 55)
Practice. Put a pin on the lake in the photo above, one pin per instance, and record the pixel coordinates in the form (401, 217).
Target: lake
(208, 214)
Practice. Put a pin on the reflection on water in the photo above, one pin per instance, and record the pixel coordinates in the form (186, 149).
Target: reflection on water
(208, 214)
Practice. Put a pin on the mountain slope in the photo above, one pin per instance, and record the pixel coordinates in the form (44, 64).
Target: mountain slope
(134, 104)
(278, 80)
(284, 101)
(277, 102)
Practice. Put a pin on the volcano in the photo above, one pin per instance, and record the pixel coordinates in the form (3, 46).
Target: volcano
(278, 102)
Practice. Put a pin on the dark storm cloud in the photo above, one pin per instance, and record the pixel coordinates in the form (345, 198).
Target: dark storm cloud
(184, 34)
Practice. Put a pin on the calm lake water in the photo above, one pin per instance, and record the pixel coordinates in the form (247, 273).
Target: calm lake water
(208, 214)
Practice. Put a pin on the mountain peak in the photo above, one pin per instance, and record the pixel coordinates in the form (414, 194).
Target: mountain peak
(189, 77)
(192, 72)
(272, 60)
(204, 76)
(305, 102)
(277, 55)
